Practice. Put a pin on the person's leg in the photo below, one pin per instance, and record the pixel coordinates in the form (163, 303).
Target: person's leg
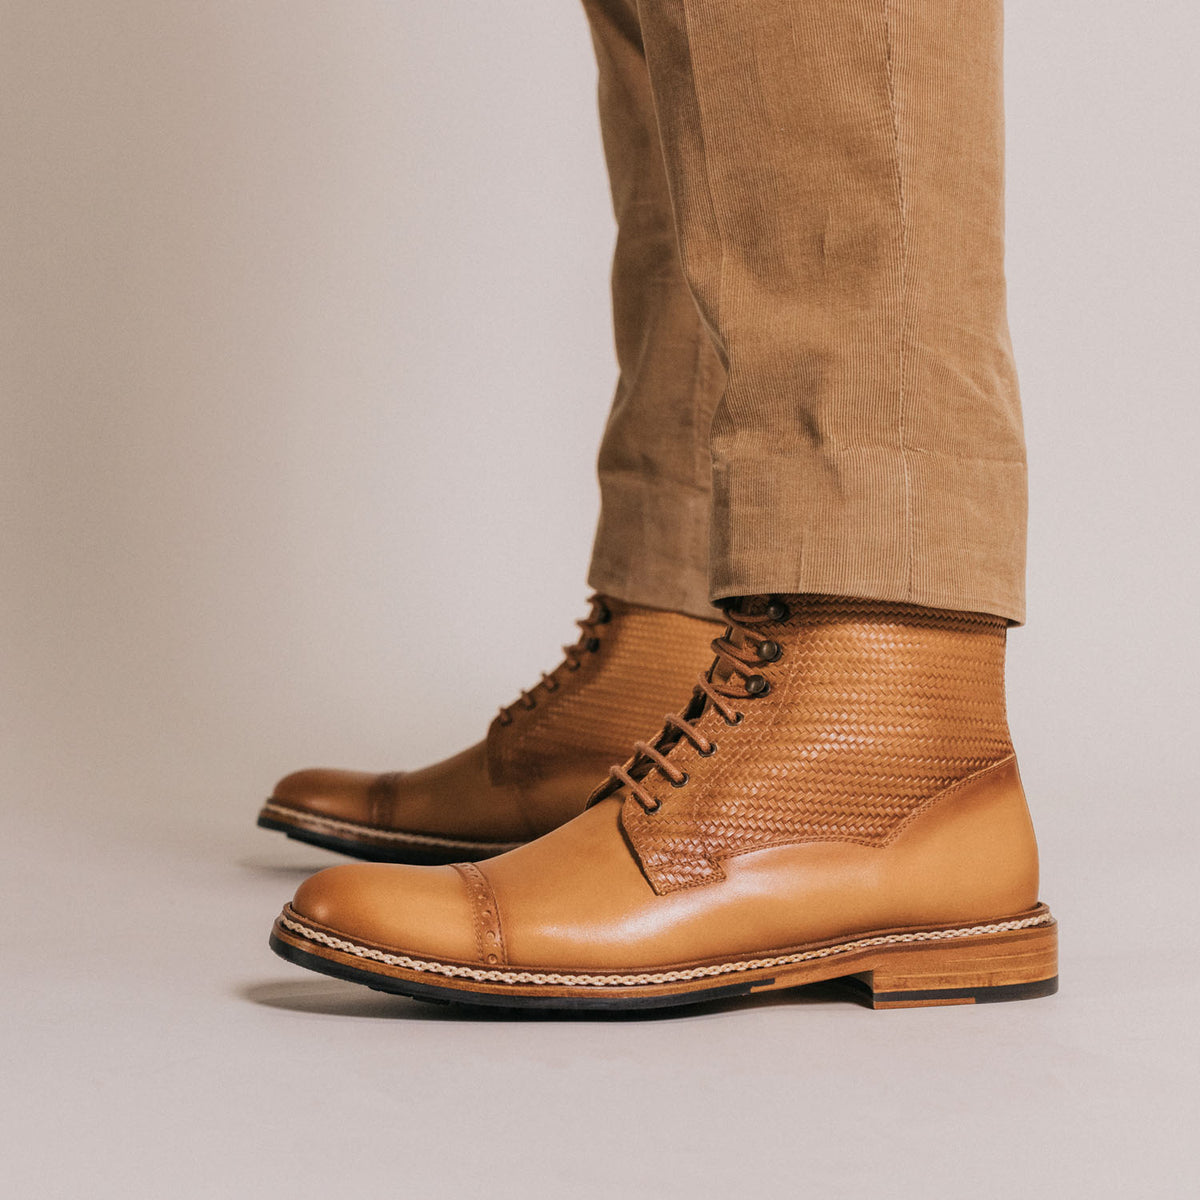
(840, 798)
(837, 175)
(651, 544)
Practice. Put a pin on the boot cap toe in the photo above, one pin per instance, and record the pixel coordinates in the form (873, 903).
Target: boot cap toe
(409, 910)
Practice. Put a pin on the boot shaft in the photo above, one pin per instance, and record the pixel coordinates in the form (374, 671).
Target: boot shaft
(632, 665)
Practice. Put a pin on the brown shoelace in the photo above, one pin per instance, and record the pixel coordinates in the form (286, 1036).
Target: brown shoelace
(588, 643)
(717, 687)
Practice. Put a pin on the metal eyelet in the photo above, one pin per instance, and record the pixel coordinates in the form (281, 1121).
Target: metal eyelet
(681, 782)
(778, 611)
(737, 719)
(592, 645)
(712, 749)
(652, 808)
(757, 685)
(770, 651)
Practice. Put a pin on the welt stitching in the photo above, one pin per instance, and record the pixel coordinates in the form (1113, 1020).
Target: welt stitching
(304, 820)
(707, 971)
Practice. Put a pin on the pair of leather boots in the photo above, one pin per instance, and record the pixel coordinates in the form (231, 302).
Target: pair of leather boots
(839, 800)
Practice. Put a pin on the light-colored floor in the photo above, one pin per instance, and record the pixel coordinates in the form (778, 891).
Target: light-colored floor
(153, 1047)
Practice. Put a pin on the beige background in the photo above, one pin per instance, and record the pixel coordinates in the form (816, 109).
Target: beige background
(304, 354)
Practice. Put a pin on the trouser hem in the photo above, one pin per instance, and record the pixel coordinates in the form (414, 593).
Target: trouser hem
(878, 524)
(652, 546)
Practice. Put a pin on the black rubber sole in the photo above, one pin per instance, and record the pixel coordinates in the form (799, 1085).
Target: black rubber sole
(416, 856)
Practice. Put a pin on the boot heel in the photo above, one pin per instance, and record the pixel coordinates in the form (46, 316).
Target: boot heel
(1017, 965)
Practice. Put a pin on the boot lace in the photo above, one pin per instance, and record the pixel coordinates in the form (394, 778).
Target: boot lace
(587, 643)
(734, 676)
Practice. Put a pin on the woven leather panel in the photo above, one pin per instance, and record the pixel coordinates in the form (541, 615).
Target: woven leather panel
(872, 710)
(646, 665)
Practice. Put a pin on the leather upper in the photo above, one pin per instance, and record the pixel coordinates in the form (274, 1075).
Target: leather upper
(578, 897)
(867, 710)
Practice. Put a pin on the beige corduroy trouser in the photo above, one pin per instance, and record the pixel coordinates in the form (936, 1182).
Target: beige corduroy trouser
(817, 390)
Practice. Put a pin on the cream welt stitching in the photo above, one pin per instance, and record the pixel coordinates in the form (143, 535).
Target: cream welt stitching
(423, 839)
(752, 964)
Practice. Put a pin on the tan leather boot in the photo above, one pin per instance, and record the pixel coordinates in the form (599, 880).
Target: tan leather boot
(536, 767)
(840, 800)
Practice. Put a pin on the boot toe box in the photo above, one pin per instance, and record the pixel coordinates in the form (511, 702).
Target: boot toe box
(400, 909)
(321, 791)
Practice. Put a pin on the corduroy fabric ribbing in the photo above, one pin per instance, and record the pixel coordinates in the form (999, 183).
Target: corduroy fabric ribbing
(652, 540)
(835, 173)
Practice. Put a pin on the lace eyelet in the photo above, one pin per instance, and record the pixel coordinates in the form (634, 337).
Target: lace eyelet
(778, 611)
(737, 719)
(757, 685)
(712, 749)
(770, 651)
(681, 782)
(592, 645)
(652, 808)
(573, 666)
